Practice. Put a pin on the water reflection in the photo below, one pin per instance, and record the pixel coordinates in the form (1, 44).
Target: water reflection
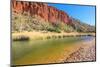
(42, 49)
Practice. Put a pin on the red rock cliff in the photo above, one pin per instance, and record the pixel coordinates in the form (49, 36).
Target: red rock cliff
(48, 13)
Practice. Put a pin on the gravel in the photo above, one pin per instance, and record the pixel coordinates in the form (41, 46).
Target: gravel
(83, 54)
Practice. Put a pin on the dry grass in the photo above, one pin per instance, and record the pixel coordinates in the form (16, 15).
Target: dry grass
(41, 35)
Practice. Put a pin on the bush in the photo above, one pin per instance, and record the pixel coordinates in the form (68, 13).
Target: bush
(24, 22)
(21, 38)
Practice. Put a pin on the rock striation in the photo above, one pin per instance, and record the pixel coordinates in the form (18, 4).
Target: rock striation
(48, 13)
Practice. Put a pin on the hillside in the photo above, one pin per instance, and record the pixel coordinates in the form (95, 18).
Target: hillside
(29, 16)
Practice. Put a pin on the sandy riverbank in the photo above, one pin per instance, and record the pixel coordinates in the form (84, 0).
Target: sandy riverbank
(40, 35)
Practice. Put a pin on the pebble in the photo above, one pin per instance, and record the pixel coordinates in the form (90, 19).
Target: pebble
(82, 54)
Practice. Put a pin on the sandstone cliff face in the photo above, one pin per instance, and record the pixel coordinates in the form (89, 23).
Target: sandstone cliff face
(48, 13)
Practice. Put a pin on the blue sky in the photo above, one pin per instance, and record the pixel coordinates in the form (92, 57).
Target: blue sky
(84, 13)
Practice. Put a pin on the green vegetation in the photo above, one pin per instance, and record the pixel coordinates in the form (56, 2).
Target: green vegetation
(26, 22)
(21, 38)
(82, 27)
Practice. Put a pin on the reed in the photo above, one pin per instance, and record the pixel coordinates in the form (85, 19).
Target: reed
(20, 38)
(43, 36)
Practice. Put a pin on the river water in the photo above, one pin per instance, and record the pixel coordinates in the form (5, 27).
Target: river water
(42, 51)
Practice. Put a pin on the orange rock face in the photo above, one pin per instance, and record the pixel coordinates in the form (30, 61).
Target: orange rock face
(48, 13)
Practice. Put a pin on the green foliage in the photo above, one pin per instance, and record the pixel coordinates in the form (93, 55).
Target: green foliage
(26, 22)
(82, 27)
(21, 22)
(67, 28)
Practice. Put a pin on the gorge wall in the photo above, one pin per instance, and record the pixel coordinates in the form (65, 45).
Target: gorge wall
(48, 13)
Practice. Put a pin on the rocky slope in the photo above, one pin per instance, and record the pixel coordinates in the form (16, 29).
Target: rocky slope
(40, 16)
(48, 13)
